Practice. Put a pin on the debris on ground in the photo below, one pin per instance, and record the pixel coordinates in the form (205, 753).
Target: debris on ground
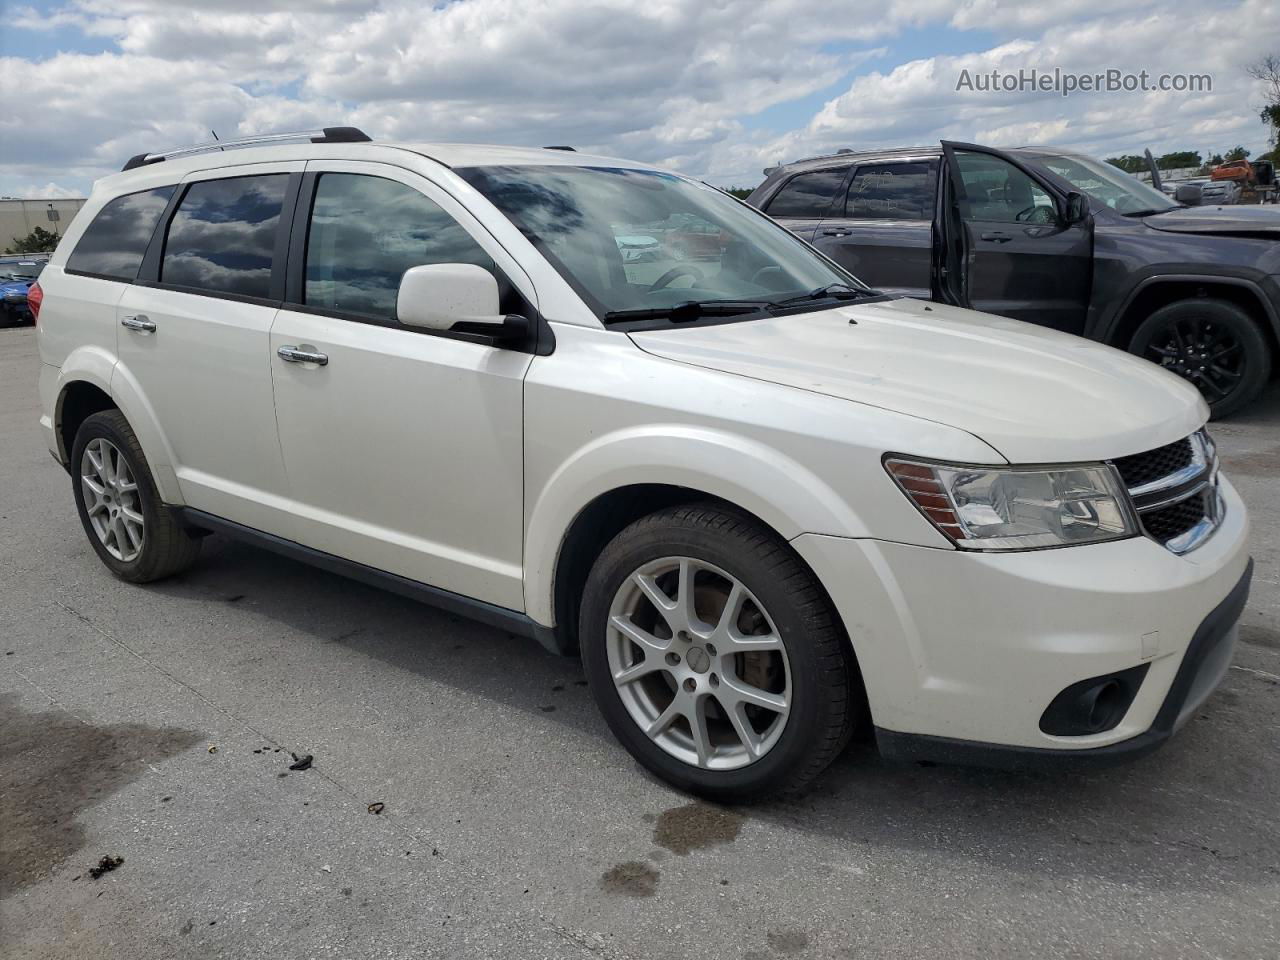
(301, 762)
(377, 806)
(105, 865)
(213, 748)
(327, 869)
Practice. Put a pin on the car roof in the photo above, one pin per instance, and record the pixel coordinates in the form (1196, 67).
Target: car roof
(489, 155)
(887, 153)
(453, 155)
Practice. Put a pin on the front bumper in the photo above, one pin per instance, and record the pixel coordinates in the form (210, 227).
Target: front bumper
(1203, 666)
(968, 649)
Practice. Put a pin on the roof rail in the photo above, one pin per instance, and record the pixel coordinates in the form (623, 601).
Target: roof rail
(325, 135)
(570, 149)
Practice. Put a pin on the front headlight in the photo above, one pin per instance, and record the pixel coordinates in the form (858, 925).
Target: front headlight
(1014, 508)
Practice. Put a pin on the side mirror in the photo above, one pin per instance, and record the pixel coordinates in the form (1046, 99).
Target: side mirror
(461, 297)
(1077, 208)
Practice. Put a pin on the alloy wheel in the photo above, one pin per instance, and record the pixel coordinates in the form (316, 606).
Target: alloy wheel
(111, 499)
(1208, 355)
(698, 663)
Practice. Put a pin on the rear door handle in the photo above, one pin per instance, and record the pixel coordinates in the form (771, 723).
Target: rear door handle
(294, 354)
(997, 237)
(139, 323)
(836, 233)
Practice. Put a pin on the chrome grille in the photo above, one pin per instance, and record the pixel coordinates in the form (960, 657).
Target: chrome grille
(1142, 468)
(1174, 490)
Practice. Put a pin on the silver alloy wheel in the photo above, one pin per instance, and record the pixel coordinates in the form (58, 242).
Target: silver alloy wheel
(698, 663)
(111, 499)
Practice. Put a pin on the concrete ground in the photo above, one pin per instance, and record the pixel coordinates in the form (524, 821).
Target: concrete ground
(156, 724)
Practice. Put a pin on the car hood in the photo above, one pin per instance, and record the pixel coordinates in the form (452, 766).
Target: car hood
(14, 286)
(1211, 219)
(1035, 395)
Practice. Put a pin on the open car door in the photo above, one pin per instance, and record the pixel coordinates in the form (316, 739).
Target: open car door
(1155, 171)
(1010, 242)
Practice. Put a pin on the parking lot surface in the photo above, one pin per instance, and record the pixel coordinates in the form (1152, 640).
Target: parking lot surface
(466, 800)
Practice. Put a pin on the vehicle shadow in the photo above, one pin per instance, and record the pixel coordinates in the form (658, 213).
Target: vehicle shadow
(1192, 813)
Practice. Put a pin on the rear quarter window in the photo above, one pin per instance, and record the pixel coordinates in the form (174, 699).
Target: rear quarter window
(807, 195)
(113, 244)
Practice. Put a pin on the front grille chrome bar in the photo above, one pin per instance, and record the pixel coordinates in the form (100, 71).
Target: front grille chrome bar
(1196, 481)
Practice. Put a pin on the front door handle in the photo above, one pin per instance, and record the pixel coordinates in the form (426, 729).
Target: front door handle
(139, 323)
(835, 233)
(298, 355)
(997, 237)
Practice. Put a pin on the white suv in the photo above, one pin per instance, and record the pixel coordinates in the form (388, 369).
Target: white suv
(769, 506)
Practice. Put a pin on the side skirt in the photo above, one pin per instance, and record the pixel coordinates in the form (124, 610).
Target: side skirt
(487, 613)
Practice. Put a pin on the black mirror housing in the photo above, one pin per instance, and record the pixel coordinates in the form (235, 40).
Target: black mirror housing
(1077, 208)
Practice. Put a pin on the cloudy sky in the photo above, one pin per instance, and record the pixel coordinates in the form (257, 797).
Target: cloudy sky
(716, 88)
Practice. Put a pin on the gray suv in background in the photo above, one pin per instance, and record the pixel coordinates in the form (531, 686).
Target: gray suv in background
(1055, 238)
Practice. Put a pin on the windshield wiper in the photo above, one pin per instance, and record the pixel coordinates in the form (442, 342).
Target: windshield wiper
(689, 310)
(832, 291)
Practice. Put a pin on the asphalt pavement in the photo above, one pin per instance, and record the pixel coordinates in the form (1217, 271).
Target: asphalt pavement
(465, 799)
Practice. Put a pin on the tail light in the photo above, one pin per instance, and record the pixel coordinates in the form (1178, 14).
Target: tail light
(35, 296)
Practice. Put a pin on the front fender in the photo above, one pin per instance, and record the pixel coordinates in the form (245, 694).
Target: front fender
(783, 493)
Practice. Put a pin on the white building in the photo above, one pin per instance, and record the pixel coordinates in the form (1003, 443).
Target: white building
(19, 217)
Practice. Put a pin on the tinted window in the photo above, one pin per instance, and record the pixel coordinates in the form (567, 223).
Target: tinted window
(807, 194)
(997, 191)
(114, 243)
(223, 235)
(891, 191)
(366, 232)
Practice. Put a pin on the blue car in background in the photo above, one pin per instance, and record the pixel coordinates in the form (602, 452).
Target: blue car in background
(16, 276)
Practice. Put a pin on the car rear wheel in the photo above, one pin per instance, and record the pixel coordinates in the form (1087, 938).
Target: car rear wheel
(1212, 344)
(715, 656)
(133, 532)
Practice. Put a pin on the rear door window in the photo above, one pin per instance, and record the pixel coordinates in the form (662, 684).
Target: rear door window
(807, 195)
(223, 236)
(114, 243)
(891, 191)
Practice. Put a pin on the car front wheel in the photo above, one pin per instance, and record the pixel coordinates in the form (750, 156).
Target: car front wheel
(715, 655)
(1212, 344)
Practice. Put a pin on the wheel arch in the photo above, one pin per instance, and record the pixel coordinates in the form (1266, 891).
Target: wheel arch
(91, 380)
(1156, 292)
(629, 474)
(77, 401)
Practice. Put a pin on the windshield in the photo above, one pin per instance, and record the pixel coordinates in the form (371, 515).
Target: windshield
(21, 271)
(1107, 184)
(640, 240)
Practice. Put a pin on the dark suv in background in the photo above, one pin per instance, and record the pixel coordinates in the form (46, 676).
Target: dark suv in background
(1055, 238)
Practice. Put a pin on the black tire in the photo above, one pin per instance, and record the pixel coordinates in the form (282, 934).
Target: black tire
(1188, 334)
(826, 694)
(166, 547)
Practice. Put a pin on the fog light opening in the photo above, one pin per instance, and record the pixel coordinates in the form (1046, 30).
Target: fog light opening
(1093, 706)
(1107, 699)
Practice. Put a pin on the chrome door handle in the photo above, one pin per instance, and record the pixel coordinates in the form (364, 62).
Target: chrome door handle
(139, 323)
(836, 233)
(295, 355)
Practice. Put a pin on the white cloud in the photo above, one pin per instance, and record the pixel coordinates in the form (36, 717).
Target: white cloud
(675, 82)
